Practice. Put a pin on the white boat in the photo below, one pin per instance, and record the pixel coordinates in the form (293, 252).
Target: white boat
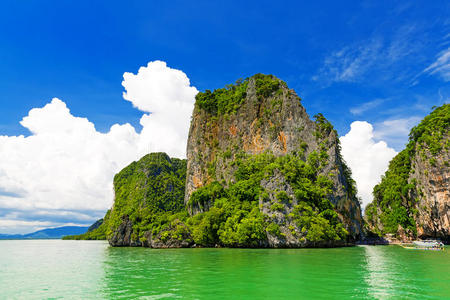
(425, 245)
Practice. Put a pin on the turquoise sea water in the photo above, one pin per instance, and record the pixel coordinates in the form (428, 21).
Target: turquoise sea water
(40, 269)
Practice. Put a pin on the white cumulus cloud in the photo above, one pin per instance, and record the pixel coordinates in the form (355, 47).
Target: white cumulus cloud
(367, 158)
(63, 170)
(166, 94)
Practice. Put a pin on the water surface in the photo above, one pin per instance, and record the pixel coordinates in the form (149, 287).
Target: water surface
(37, 269)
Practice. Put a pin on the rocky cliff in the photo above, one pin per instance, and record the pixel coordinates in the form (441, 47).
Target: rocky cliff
(260, 115)
(413, 198)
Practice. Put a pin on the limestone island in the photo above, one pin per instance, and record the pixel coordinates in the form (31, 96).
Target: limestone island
(261, 174)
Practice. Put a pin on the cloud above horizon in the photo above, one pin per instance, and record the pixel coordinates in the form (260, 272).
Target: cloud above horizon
(367, 158)
(63, 171)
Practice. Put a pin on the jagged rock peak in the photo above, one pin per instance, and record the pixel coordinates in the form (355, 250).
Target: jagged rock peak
(256, 115)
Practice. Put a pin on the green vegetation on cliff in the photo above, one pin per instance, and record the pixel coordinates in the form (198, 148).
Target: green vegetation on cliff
(227, 100)
(224, 100)
(391, 197)
(235, 218)
(428, 135)
(150, 192)
(393, 204)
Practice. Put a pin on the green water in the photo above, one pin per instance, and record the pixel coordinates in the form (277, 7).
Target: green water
(90, 269)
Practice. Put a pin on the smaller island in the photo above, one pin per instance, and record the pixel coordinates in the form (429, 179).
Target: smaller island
(412, 201)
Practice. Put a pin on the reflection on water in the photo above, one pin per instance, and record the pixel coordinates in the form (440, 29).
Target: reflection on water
(379, 276)
(93, 270)
(395, 272)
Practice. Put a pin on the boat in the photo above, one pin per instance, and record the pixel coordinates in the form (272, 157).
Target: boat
(435, 245)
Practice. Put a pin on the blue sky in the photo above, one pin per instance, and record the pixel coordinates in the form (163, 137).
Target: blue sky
(78, 51)
(384, 62)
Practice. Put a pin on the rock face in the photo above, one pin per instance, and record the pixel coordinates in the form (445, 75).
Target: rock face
(122, 235)
(413, 198)
(267, 118)
(433, 214)
(277, 123)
